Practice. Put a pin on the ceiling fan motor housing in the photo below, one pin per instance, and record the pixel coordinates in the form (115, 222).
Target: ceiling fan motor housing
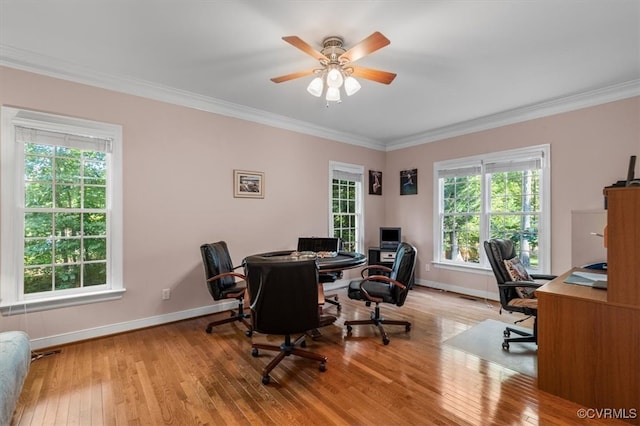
(332, 48)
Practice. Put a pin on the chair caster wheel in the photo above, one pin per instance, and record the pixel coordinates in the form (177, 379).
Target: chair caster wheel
(322, 367)
(303, 344)
(266, 379)
(248, 333)
(254, 352)
(385, 341)
(339, 308)
(232, 314)
(407, 328)
(349, 329)
(209, 329)
(505, 346)
(506, 333)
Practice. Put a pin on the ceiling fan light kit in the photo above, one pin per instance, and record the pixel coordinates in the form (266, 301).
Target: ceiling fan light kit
(316, 87)
(336, 70)
(351, 86)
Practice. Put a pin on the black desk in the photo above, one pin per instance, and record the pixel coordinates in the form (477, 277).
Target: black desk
(344, 260)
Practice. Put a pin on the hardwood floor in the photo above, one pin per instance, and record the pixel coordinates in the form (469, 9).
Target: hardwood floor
(176, 374)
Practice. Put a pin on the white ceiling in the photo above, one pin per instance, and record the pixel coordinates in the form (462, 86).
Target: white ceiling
(461, 65)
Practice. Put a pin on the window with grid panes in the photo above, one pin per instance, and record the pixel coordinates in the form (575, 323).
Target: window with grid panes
(498, 195)
(62, 196)
(346, 205)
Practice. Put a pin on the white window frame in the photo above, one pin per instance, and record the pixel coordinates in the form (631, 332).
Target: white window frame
(12, 298)
(356, 174)
(544, 231)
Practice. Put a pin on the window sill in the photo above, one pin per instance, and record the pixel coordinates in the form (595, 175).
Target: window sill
(28, 306)
(462, 268)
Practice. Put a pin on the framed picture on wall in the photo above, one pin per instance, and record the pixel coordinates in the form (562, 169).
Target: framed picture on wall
(375, 182)
(409, 182)
(248, 184)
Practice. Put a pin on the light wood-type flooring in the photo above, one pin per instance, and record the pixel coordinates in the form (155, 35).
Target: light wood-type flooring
(176, 374)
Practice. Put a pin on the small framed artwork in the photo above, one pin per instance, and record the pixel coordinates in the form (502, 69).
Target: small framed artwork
(247, 184)
(375, 182)
(409, 182)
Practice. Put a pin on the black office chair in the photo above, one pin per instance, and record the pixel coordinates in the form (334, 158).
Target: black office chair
(222, 283)
(325, 244)
(376, 287)
(516, 288)
(284, 301)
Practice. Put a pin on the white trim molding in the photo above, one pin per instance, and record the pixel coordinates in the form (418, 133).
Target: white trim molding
(41, 64)
(107, 330)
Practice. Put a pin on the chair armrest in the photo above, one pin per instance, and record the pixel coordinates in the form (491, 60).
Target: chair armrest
(543, 277)
(378, 278)
(227, 274)
(514, 284)
(365, 270)
(240, 293)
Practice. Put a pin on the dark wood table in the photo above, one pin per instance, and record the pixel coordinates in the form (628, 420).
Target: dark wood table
(343, 260)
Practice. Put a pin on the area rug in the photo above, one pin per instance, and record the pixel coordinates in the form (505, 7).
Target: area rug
(485, 341)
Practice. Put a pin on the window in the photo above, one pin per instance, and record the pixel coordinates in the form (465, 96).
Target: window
(499, 195)
(61, 211)
(345, 192)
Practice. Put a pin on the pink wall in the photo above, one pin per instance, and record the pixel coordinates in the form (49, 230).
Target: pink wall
(178, 166)
(178, 172)
(590, 149)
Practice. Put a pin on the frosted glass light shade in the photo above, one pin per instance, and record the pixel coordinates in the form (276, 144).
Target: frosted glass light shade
(315, 87)
(334, 78)
(351, 85)
(333, 94)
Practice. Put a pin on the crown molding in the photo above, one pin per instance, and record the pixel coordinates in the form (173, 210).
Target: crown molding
(573, 102)
(52, 67)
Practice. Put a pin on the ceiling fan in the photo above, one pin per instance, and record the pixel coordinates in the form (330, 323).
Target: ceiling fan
(336, 66)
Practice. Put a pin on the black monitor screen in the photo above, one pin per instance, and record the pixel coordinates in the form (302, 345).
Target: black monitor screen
(390, 237)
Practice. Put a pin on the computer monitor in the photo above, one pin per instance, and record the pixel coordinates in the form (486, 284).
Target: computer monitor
(390, 237)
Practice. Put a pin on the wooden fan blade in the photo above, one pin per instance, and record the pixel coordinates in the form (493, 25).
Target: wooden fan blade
(292, 76)
(296, 41)
(375, 75)
(369, 45)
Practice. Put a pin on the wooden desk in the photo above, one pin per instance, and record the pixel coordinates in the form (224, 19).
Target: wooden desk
(589, 339)
(588, 347)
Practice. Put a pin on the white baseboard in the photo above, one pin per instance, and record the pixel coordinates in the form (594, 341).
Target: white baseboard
(460, 290)
(92, 333)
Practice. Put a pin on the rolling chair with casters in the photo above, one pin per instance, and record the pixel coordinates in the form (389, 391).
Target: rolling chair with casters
(327, 279)
(516, 288)
(328, 244)
(388, 285)
(222, 283)
(284, 301)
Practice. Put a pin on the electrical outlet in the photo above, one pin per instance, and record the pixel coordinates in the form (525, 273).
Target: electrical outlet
(166, 294)
(427, 267)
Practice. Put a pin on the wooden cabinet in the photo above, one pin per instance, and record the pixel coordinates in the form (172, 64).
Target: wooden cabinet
(623, 246)
(589, 339)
